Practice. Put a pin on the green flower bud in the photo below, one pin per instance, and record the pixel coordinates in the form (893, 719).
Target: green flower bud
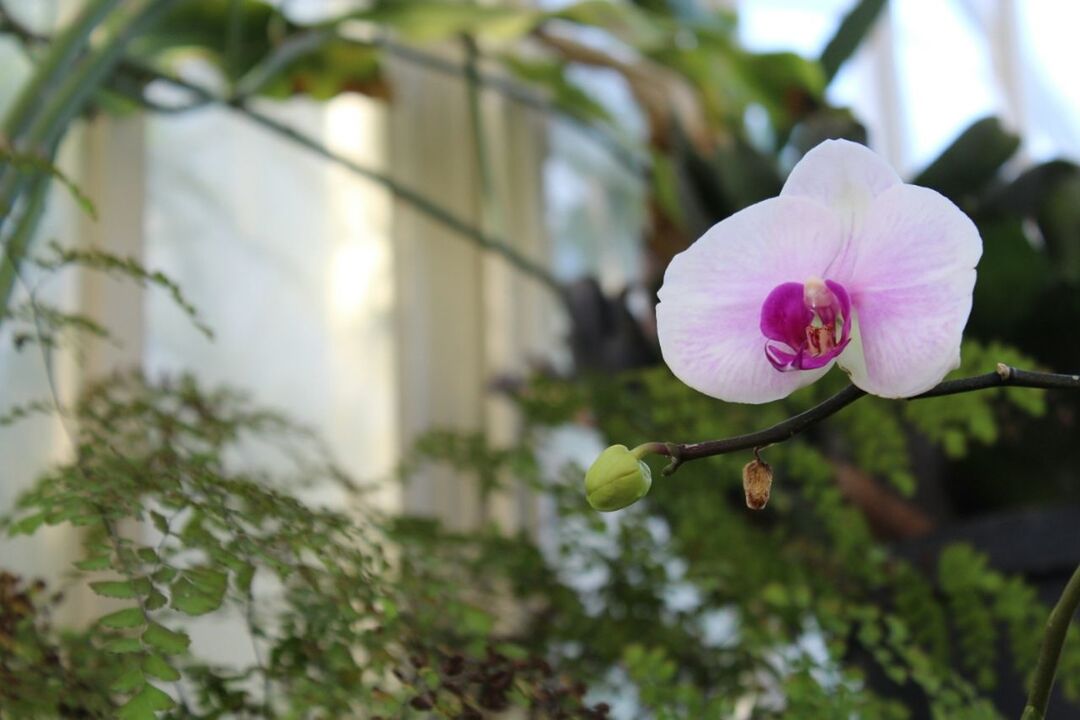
(617, 479)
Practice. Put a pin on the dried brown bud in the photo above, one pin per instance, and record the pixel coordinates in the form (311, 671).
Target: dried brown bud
(757, 482)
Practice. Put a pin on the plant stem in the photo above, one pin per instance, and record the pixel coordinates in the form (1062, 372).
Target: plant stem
(47, 127)
(490, 216)
(63, 50)
(497, 245)
(307, 41)
(17, 245)
(1004, 376)
(1057, 627)
(635, 161)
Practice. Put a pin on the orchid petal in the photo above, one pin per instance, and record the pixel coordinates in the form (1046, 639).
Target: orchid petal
(842, 175)
(910, 272)
(709, 316)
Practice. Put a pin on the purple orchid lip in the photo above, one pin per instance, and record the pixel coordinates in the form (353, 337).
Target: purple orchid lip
(808, 324)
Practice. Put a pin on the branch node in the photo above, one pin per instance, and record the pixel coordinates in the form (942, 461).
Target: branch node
(1005, 372)
(674, 451)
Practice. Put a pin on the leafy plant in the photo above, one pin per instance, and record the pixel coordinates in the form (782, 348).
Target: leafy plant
(685, 606)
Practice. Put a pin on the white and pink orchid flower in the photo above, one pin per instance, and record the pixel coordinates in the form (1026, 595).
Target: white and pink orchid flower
(848, 265)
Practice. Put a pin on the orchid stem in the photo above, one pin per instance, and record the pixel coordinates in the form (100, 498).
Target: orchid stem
(1057, 627)
(1004, 376)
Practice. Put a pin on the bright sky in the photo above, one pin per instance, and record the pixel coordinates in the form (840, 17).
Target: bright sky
(949, 70)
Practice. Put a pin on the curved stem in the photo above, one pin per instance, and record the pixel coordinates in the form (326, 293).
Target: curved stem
(634, 161)
(17, 245)
(1057, 627)
(48, 126)
(64, 49)
(1005, 375)
(306, 41)
(494, 244)
(17, 130)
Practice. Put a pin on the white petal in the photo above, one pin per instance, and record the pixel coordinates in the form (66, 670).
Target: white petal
(844, 175)
(910, 274)
(708, 319)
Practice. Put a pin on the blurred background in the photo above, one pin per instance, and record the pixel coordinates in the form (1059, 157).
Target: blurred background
(433, 233)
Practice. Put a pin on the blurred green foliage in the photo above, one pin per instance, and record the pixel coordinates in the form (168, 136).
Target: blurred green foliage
(337, 625)
(685, 606)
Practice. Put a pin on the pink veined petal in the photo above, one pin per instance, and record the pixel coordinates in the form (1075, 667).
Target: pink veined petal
(910, 274)
(843, 175)
(708, 319)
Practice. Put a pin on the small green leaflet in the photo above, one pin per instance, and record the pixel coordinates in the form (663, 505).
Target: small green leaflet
(199, 591)
(157, 666)
(121, 589)
(145, 704)
(123, 645)
(128, 618)
(165, 640)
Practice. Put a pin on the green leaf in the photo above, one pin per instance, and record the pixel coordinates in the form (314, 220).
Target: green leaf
(243, 578)
(475, 621)
(334, 67)
(73, 510)
(122, 589)
(160, 522)
(165, 640)
(666, 186)
(971, 161)
(512, 651)
(129, 681)
(625, 21)
(122, 645)
(199, 591)
(431, 20)
(1009, 261)
(94, 259)
(39, 164)
(27, 525)
(849, 36)
(1059, 221)
(389, 609)
(146, 704)
(552, 77)
(207, 580)
(826, 123)
(745, 174)
(99, 562)
(128, 618)
(164, 574)
(158, 667)
(155, 601)
(205, 25)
